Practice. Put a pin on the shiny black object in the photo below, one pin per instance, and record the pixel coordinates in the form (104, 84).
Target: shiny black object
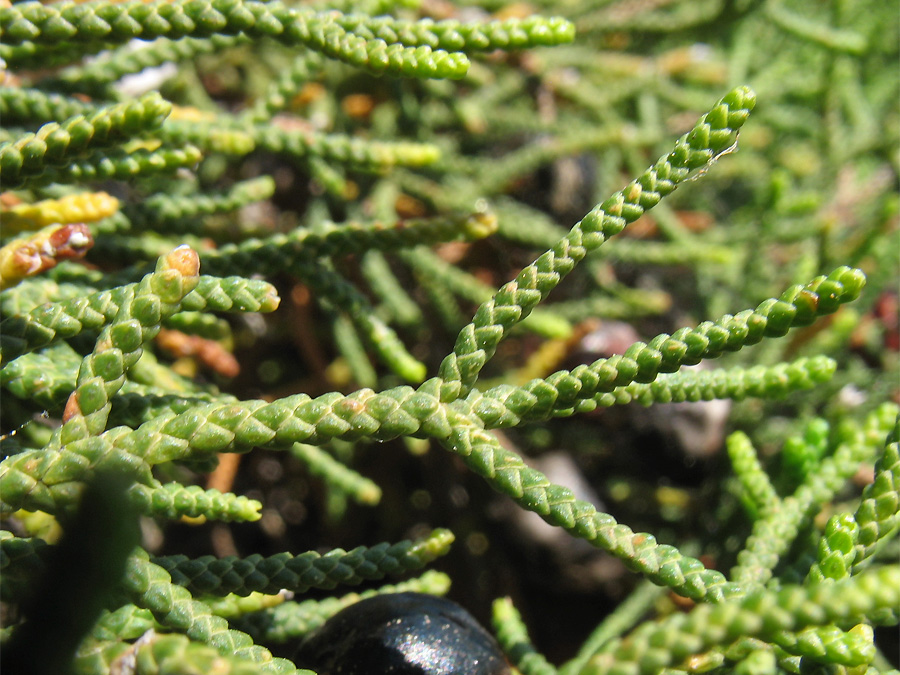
(402, 634)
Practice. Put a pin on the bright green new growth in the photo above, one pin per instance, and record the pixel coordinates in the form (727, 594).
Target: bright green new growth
(78, 343)
(174, 501)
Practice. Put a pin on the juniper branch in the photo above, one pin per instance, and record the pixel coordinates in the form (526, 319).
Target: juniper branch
(197, 323)
(320, 31)
(714, 134)
(755, 483)
(452, 35)
(623, 618)
(232, 136)
(172, 213)
(234, 606)
(171, 653)
(55, 144)
(82, 207)
(174, 500)
(60, 283)
(32, 23)
(47, 378)
(120, 164)
(120, 345)
(879, 511)
(507, 472)
(352, 349)
(44, 325)
(732, 383)
(802, 455)
(775, 531)
(128, 622)
(21, 105)
(299, 573)
(31, 55)
(836, 550)
(403, 411)
(150, 586)
(762, 613)
(22, 560)
(285, 251)
(507, 406)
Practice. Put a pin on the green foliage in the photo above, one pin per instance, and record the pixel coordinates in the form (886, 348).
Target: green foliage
(265, 156)
(54, 144)
(300, 573)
